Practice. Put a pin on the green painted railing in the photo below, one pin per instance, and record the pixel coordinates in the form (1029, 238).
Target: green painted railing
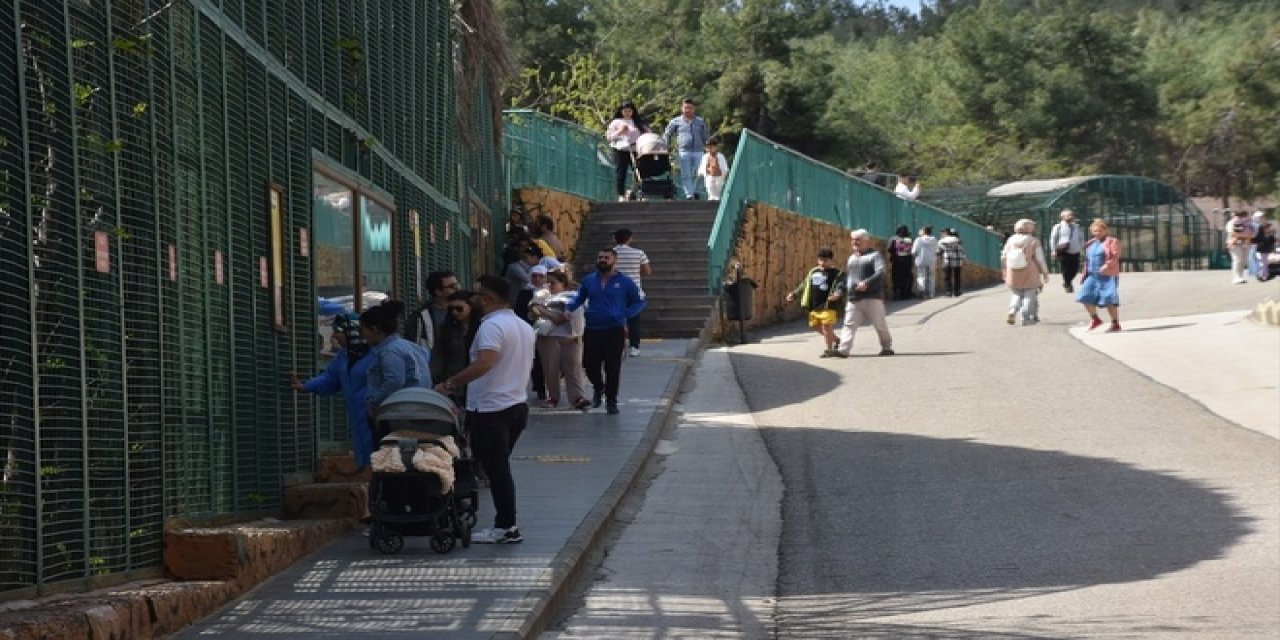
(764, 171)
(545, 151)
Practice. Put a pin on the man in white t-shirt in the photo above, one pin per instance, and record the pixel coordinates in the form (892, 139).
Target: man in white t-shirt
(497, 382)
(632, 263)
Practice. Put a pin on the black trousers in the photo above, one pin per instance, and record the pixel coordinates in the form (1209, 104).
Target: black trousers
(902, 281)
(633, 330)
(602, 348)
(1070, 266)
(952, 279)
(493, 437)
(621, 169)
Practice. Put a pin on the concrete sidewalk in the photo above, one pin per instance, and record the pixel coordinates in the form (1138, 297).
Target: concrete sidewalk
(1225, 361)
(571, 469)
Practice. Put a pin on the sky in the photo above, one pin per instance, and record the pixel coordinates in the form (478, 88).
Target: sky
(913, 5)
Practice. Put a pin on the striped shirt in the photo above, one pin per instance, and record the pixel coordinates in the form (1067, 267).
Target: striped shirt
(629, 261)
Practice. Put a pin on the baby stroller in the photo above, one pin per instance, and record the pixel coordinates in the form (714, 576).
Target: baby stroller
(652, 165)
(420, 487)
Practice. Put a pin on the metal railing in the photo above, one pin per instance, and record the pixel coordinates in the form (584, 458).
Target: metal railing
(764, 171)
(545, 151)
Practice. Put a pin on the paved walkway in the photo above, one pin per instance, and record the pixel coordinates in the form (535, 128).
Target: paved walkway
(571, 470)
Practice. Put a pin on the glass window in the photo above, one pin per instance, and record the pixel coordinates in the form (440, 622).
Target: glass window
(375, 250)
(333, 252)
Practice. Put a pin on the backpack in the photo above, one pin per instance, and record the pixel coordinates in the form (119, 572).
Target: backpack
(1016, 257)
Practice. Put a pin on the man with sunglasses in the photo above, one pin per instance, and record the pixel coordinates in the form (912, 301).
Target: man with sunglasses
(497, 399)
(432, 314)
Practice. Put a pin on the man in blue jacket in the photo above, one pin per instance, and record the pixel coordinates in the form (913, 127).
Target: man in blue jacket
(611, 299)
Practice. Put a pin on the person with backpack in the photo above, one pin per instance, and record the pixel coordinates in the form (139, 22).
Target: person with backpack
(902, 263)
(815, 297)
(1025, 272)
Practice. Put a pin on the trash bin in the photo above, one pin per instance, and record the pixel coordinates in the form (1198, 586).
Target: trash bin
(741, 299)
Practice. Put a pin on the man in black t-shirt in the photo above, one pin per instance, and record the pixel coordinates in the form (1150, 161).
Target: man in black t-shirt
(815, 292)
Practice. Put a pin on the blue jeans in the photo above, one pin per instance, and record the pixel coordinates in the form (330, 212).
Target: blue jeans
(689, 182)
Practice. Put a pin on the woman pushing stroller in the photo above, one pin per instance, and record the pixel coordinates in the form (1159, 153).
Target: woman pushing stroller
(622, 133)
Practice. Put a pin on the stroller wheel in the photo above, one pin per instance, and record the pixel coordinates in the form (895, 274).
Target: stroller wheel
(387, 542)
(443, 541)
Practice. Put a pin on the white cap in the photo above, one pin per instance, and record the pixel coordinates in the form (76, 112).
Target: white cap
(538, 269)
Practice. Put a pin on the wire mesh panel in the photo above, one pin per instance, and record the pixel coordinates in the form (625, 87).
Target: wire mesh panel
(19, 557)
(763, 171)
(147, 345)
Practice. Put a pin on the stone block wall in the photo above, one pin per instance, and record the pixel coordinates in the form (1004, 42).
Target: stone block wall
(777, 248)
(568, 211)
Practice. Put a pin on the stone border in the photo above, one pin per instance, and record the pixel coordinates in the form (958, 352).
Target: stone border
(159, 608)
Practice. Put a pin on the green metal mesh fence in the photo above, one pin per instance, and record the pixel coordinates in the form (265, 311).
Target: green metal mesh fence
(763, 171)
(553, 153)
(143, 378)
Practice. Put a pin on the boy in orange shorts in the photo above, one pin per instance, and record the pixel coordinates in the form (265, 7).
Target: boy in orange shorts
(815, 296)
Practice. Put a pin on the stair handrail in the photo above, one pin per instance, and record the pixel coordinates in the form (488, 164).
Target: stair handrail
(766, 171)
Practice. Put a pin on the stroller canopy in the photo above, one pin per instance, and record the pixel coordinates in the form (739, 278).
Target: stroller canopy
(418, 408)
(649, 143)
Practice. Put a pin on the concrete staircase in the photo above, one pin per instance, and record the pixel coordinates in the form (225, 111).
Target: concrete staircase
(674, 235)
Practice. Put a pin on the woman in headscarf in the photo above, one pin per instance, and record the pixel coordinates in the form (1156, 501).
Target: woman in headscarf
(347, 374)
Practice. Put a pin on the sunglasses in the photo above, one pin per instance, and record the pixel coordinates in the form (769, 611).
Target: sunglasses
(457, 309)
(450, 285)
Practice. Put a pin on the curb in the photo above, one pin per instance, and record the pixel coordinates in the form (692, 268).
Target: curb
(568, 565)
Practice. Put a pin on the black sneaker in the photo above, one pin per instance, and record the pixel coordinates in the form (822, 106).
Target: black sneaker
(886, 352)
(597, 399)
(612, 409)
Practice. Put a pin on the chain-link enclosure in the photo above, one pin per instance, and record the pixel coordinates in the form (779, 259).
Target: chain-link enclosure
(150, 316)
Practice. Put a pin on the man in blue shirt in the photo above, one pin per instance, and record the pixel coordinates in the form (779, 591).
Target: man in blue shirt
(611, 299)
(691, 135)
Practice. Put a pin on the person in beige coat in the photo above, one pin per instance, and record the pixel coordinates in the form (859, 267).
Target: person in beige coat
(1025, 272)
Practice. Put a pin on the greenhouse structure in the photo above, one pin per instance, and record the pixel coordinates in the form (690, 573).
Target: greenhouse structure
(1158, 226)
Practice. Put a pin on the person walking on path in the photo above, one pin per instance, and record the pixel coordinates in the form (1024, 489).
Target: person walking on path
(611, 298)
(1100, 283)
(902, 261)
(1239, 233)
(632, 263)
(623, 131)
(560, 345)
(815, 297)
(452, 352)
(347, 374)
(1264, 245)
(691, 135)
(397, 363)
(951, 251)
(862, 289)
(925, 252)
(1067, 240)
(1025, 272)
(497, 399)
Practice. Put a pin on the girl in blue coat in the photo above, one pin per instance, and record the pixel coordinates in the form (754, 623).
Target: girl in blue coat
(348, 374)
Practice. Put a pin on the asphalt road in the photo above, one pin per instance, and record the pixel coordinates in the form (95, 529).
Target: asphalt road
(989, 481)
(996, 481)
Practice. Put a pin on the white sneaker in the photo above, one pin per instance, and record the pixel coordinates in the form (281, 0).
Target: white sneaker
(622, 198)
(1239, 281)
(494, 535)
(634, 352)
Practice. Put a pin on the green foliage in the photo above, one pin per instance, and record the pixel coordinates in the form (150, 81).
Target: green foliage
(968, 91)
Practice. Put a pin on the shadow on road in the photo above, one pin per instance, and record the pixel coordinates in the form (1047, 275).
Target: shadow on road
(882, 524)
